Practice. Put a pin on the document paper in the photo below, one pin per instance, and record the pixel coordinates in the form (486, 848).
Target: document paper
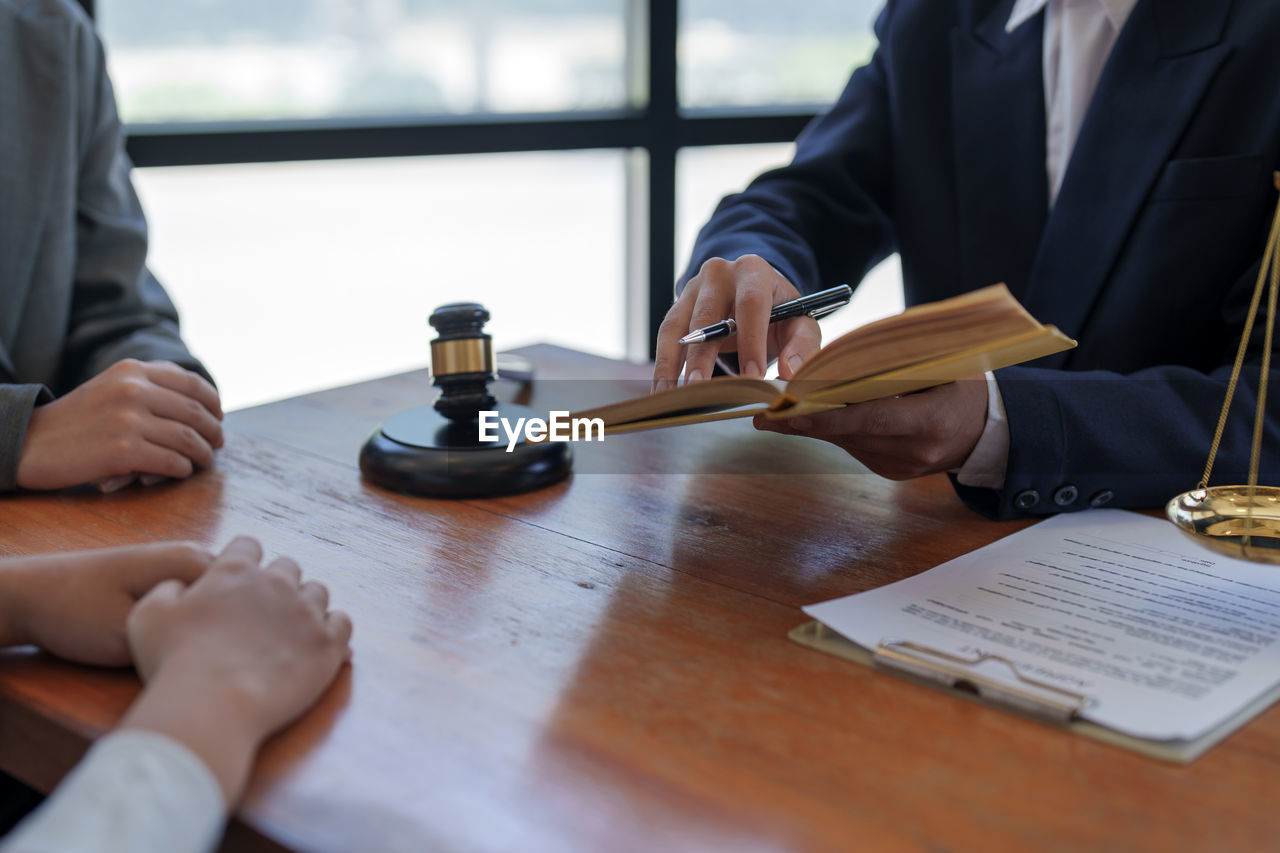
(1166, 639)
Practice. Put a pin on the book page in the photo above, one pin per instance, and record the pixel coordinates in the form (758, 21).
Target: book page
(995, 354)
(719, 393)
(920, 333)
(1167, 639)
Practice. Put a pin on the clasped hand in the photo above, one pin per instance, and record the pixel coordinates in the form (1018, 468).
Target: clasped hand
(145, 604)
(899, 437)
(149, 418)
(230, 650)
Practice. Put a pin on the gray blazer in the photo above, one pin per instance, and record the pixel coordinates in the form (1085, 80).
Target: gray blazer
(75, 294)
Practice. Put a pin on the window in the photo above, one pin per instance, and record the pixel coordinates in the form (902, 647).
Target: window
(748, 53)
(292, 277)
(297, 59)
(575, 114)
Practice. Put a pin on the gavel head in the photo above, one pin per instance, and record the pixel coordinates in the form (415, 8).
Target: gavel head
(462, 362)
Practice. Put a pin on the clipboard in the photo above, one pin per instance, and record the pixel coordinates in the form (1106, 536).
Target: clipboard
(1017, 693)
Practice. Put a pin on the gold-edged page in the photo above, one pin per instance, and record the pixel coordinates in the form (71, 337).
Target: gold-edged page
(1042, 341)
(697, 416)
(716, 394)
(918, 334)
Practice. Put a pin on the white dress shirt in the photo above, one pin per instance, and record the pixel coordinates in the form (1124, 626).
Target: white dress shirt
(1078, 37)
(134, 792)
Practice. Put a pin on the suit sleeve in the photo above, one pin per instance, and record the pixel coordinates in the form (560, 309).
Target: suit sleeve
(119, 310)
(16, 403)
(822, 218)
(1101, 438)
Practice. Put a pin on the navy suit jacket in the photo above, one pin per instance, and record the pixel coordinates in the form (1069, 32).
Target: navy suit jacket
(936, 150)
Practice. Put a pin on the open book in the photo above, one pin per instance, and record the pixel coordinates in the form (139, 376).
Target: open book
(925, 345)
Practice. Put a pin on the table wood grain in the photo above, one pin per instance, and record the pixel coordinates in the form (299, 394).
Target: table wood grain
(603, 665)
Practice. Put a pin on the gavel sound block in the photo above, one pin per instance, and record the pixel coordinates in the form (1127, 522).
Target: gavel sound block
(436, 450)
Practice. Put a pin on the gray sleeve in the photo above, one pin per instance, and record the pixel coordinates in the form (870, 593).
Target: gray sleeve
(119, 309)
(16, 403)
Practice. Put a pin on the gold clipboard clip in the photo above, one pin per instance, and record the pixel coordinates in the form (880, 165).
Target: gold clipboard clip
(1028, 696)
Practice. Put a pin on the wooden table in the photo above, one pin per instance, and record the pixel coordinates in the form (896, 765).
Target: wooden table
(603, 665)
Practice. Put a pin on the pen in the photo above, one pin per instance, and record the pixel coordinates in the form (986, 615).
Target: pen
(814, 305)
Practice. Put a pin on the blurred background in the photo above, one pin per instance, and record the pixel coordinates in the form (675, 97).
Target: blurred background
(320, 174)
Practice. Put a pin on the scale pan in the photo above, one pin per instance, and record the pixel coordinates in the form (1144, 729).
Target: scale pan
(1237, 521)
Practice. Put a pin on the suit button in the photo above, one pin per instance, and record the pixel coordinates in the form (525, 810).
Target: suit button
(1101, 498)
(1026, 499)
(1065, 495)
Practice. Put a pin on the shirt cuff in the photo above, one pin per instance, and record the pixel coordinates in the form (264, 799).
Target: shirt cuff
(985, 466)
(135, 790)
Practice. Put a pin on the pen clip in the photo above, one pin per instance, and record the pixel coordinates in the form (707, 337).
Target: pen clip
(814, 305)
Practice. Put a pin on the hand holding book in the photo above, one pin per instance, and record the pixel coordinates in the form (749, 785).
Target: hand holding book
(927, 346)
(904, 437)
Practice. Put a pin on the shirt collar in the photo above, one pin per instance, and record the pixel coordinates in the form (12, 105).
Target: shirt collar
(1024, 10)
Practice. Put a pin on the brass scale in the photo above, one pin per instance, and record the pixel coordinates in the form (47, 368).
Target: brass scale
(1240, 521)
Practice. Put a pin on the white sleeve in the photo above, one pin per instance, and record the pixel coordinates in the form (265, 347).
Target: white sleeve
(134, 792)
(987, 461)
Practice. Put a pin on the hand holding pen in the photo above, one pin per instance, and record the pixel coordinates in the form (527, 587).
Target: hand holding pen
(748, 290)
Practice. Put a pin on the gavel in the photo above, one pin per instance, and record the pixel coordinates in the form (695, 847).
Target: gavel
(437, 450)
